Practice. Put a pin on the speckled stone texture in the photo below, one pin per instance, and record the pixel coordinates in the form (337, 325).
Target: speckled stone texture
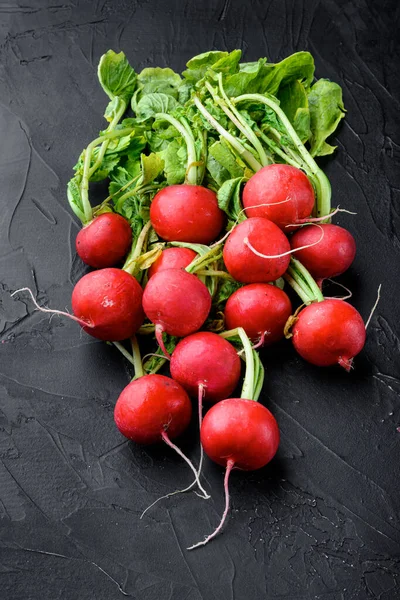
(322, 520)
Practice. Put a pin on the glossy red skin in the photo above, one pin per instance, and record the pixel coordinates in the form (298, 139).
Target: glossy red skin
(111, 299)
(240, 430)
(150, 405)
(265, 237)
(332, 256)
(186, 213)
(328, 333)
(208, 359)
(273, 184)
(172, 258)
(105, 241)
(259, 308)
(176, 300)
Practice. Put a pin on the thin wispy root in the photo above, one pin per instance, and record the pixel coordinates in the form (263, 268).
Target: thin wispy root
(51, 311)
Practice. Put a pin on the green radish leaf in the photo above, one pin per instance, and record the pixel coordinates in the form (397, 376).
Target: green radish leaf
(229, 200)
(174, 156)
(151, 104)
(164, 81)
(294, 102)
(116, 76)
(74, 196)
(152, 166)
(198, 65)
(224, 291)
(200, 249)
(326, 111)
(223, 154)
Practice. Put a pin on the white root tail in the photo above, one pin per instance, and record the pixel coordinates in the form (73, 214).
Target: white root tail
(51, 311)
(229, 466)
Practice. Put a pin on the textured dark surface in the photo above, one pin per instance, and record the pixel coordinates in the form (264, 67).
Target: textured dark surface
(322, 521)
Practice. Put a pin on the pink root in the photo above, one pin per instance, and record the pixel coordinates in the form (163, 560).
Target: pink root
(53, 312)
(247, 243)
(166, 439)
(159, 337)
(346, 363)
(318, 219)
(229, 466)
(261, 341)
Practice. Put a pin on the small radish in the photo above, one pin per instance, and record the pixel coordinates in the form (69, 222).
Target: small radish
(284, 186)
(330, 256)
(105, 241)
(172, 258)
(207, 361)
(238, 433)
(186, 213)
(256, 235)
(110, 302)
(152, 409)
(328, 333)
(177, 302)
(261, 309)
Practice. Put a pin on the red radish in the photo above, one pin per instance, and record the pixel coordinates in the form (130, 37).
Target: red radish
(150, 406)
(152, 409)
(105, 241)
(330, 256)
(266, 238)
(177, 302)
(110, 302)
(238, 433)
(172, 258)
(186, 213)
(284, 186)
(261, 309)
(205, 359)
(328, 333)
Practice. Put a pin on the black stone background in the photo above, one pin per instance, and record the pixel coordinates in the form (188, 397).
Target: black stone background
(322, 520)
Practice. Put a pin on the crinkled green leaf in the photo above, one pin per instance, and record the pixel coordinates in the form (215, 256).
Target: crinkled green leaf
(294, 102)
(114, 107)
(297, 66)
(116, 76)
(229, 200)
(152, 166)
(151, 104)
(74, 197)
(225, 289)
(326, 111)
(164, 81)
(221, 152)
(198, 65)
(175, 161)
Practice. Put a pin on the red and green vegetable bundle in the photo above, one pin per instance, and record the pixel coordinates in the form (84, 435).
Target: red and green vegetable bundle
(216, 210)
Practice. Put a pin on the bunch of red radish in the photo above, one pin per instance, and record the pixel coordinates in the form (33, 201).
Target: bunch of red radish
(111, 305)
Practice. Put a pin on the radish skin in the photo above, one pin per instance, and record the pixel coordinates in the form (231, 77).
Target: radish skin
(172, 258)
(266, 237)
(186, 213)
(273, 185)
(328, 333)
(328, 257)
(105, 241)
(111, 300)
(261, 309)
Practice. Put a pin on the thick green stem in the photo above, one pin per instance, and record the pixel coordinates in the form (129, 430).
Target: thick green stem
(321, 182)
(250, 382)
(235, 116)
(231, 139)
(213, 273)
(86, 168)
(302, 293)
(202, 261)
(137, 359)
(136, 251)
(305, 280)
(191, 171)
(124, 352)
